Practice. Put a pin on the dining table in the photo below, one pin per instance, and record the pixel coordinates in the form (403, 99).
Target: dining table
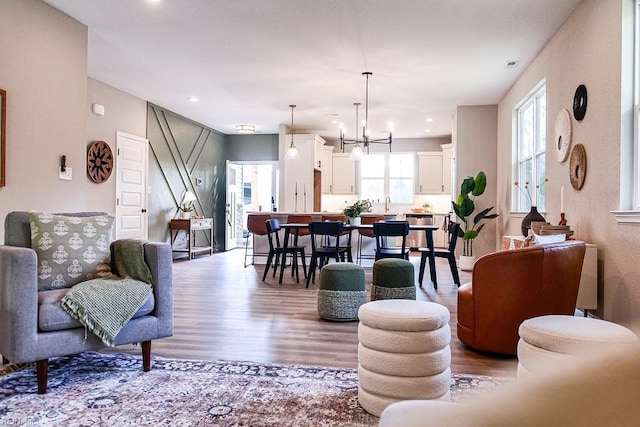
(291, 228)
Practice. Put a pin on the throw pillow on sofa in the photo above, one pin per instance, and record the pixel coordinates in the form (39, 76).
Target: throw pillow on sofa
(69, 249)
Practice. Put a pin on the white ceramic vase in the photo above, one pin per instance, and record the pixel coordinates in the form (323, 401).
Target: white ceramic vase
(186, 215)
(355, 220)
(466, 262)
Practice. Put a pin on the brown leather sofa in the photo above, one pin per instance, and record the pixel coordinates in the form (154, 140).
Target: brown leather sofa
(509, 287)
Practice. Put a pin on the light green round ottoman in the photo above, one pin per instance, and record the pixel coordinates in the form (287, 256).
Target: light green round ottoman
(393, 278)
(341, 291)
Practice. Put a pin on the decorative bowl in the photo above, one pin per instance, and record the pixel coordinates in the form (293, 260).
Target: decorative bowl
(418, 210)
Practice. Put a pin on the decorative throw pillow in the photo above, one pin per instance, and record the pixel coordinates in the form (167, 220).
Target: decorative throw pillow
(70, 249)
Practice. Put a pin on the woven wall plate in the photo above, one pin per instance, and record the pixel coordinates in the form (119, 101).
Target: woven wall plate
(99, 161)
(563, 135)
(578, 166)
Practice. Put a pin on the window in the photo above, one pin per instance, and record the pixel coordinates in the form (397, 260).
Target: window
(529, 148)
(388, 174)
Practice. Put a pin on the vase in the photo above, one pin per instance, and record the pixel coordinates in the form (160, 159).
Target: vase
(186, 215)
(355, 220)
(467, 262)
(533, 215)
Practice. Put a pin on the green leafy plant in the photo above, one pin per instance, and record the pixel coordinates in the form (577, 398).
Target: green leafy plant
(187, 207)
(357, 208)
(464, 207)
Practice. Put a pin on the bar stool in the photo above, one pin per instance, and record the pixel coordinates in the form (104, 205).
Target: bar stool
(366, 220)
(256, 226)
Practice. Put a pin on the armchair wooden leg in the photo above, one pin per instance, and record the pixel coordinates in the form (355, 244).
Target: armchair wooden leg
(42, 371)
(146, 356)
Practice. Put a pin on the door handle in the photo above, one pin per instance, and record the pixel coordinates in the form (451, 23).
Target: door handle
(144, 211)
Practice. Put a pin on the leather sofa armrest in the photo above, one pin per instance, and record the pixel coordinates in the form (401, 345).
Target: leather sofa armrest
(18, 301)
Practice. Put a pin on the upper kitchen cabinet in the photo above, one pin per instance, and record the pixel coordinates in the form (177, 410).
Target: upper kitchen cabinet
(344, 174)
(301, 179)
(326, 162)
(434, 171)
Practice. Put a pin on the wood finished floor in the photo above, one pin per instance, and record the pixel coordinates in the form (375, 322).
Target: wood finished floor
(223, 311)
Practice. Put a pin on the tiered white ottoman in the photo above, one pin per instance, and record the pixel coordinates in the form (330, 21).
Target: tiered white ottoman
(393, 278)
(403, 353)
(547, 341)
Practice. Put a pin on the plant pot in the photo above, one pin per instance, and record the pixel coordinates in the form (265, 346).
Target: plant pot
(355, 220)
(466, 262)
(533, 215)
(186, 215)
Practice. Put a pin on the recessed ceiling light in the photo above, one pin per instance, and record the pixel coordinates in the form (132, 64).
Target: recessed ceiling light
(246, 128)
(192, 99)
(429, 119)
(512, 64)
(427, 130)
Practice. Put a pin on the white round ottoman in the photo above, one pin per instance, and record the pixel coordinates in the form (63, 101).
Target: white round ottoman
(547, 341)
(403, 352)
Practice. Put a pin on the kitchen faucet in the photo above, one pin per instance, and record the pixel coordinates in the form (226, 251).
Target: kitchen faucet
(387, 202)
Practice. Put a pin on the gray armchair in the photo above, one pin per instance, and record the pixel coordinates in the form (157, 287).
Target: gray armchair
(33, 326)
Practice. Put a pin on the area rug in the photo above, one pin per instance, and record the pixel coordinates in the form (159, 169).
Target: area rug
(94, 389)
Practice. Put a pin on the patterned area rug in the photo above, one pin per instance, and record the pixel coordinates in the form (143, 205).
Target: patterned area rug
(94, 389)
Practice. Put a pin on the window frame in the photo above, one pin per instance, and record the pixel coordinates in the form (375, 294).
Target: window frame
(536, 197)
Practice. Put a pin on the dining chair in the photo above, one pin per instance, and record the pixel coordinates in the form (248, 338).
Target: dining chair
(449, 253)
(383, 230)
(255, 226)
(366, 220)
(346, 242)
(276, 250)
(299, 232)
(320, 254)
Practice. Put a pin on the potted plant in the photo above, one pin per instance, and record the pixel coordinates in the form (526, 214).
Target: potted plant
(353, 212)
(464, 207)
(186, 209)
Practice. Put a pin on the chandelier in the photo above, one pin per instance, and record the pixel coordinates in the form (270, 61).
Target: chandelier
(361, 144)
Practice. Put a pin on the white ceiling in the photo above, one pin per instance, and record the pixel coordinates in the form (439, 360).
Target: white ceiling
(247, 60)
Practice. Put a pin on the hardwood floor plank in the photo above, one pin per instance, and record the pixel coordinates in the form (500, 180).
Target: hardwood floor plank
(223, 311)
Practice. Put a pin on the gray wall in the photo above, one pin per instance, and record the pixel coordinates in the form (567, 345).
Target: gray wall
(251, 147)
(184, 155)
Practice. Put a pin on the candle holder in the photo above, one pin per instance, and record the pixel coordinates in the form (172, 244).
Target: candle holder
(563, 220)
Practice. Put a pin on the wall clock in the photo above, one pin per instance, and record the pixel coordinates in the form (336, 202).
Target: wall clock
(99, 161)
(578, 166)
(580, 102)
(563, 135)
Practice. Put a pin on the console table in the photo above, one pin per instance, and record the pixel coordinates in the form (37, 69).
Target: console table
(191, 226)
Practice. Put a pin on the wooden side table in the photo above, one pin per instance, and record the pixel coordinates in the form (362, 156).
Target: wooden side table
(191, 226)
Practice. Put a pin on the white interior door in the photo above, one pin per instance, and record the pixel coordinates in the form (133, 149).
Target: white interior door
(131, 186)
(234, 197)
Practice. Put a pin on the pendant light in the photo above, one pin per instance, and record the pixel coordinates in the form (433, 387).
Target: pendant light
(292, 151)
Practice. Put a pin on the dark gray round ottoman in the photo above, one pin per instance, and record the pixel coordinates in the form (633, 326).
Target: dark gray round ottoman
(341, 291)
(393, 278)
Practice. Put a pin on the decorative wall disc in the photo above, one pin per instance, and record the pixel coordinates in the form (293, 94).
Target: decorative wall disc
(578, 166)
(99, 161)
(580, 102)
(563, 135)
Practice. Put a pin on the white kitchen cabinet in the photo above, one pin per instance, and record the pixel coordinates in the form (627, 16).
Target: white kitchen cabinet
(326, 163)
(300, 176)
(430, 173)
(434, 171)
(344, 174)
(447, 166)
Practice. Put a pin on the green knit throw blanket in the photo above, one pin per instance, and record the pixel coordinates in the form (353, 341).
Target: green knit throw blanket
(104, 306)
